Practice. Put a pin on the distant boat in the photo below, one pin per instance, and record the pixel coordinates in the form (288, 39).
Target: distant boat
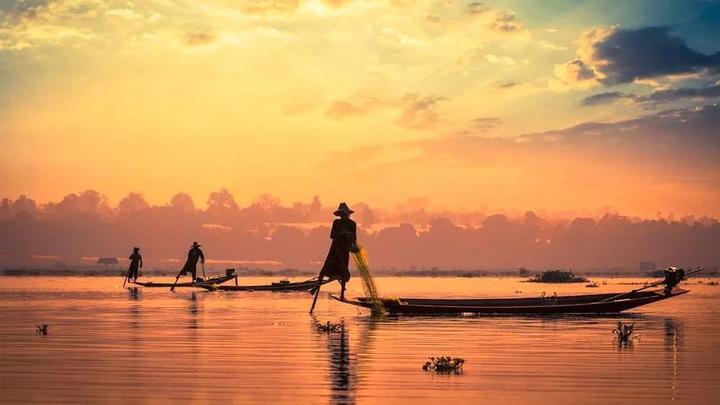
(214, 280)
(280, 286)
(574, 304)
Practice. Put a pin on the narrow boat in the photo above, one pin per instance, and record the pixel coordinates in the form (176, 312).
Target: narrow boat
(280, 286)
(574, 304)
(213, 280)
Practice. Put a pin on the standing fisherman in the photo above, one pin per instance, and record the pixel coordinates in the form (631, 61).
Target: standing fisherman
(344, 237)
(135, 264)
(194, 254)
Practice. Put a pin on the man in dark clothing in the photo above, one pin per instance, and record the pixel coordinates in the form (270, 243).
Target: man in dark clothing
(344, 239)
(673, 277)
(135, 264)
(194, 254)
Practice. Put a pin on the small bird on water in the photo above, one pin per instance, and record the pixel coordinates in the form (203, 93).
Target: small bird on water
(42, 329)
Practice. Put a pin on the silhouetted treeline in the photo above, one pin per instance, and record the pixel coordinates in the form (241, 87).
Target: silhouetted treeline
(267, 234)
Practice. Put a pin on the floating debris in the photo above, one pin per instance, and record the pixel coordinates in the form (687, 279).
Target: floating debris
(329, 327)
(624, 332)
(42, 329)
(444, 364)
(592, 285)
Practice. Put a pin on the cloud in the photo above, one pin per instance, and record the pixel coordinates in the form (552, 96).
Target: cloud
(572, 74)
(198, 38)
(485, 123)
(419, 112)
(656, 97)
(507, 22)
(267, 7)
(28, 24)
(340, 109)
(123, 13)
(551, 46)
(658, 144)
(614, 55)
(507, 84)
(416, 112)
(604, 98)
(477, 7)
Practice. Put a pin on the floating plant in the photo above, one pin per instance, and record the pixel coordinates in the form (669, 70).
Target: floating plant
(444, 364)
(329, 327)
(624, 332)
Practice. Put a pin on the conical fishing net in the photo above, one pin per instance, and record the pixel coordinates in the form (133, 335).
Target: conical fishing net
(361, 262)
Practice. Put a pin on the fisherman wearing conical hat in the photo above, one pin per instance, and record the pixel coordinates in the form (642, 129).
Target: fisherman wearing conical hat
(194, 254)
(344, 237)
(135, 264)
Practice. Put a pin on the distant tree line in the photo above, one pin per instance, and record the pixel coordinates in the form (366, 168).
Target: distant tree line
(268, 234)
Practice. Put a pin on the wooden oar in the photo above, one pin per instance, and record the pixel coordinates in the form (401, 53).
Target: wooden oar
(614, 297)
(127, 277)
(202, 264)
(317, 292)
(176, 281)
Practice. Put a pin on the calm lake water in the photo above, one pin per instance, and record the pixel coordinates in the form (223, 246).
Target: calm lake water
(108, 344)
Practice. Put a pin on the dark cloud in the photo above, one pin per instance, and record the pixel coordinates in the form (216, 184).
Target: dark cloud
(626, 55)
(604, 98)
(657, 97)
(477, 7)
(506, 22)
(198, 38)
(419, 112)
(693, 131)
(699, 93)
(485, 123)
(508, 84)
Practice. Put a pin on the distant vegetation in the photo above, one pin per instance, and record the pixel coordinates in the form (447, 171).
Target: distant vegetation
(80, 228)
(557, 276)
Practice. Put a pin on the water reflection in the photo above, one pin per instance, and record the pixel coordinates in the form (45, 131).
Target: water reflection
(672, 345)
(342, 373)
(134, 293)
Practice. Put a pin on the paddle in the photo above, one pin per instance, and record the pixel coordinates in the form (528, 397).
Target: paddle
(317, 292)
(127, 277)
(202, 264)
(614, 297)
(176, 281)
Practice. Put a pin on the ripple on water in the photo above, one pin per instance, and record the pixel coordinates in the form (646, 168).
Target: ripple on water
(108, 344)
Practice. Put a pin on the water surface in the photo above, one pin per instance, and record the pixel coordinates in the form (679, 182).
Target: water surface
(108, 344)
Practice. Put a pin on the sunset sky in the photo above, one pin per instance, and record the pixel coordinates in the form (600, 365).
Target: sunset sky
(500, 105)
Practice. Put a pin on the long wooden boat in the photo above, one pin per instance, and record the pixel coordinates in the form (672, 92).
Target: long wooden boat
(281, 286)
(212, 280)
(574, 304)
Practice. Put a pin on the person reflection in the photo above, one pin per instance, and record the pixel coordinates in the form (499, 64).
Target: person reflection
(341, 368)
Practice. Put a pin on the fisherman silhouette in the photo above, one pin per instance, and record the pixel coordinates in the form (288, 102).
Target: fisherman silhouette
(135, 264)
(194, 254)
(344, 237)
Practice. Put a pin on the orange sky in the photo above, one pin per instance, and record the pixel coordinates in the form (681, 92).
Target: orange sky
(375, 101)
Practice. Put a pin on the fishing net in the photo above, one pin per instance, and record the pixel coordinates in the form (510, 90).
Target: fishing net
(361, 262)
